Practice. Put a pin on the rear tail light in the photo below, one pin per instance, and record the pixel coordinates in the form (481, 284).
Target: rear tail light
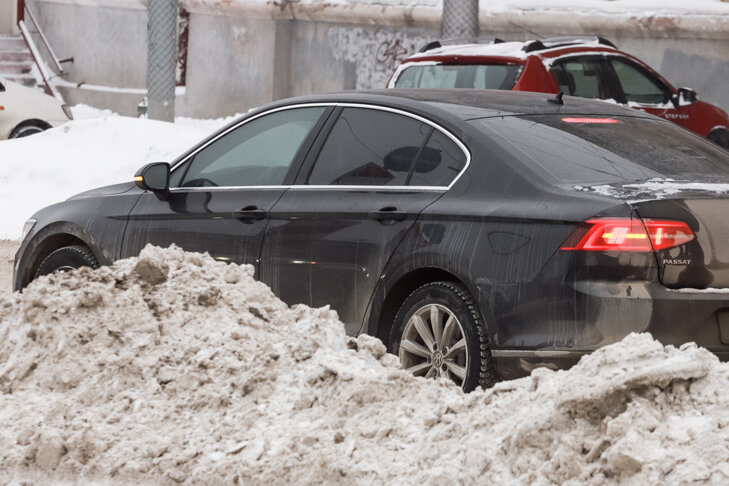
(630, 234)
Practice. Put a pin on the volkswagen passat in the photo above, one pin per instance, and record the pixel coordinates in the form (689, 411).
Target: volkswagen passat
(478, 233)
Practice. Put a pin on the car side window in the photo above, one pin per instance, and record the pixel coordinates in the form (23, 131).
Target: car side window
(584, 77)
(257, 153)
(639, 85)
(369, 147)
(439, 163)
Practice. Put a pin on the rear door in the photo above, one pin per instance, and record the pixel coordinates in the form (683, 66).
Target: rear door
(586, 76)
(220, 196)
(365, 183)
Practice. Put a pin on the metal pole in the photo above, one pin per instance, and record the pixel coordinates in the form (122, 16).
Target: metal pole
(460, 20)
(161, 59)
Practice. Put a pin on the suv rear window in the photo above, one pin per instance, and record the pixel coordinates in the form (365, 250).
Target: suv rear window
(597, 149)
(470, 76)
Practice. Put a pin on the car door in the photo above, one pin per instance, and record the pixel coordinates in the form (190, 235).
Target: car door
(642, 90)
(361, 189)
(220, 195)
(584, 76)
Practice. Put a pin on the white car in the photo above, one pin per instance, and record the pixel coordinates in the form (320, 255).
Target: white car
(25, 111)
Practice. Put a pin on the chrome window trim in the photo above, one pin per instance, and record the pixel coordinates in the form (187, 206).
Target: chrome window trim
(421, 119)
(302, 187)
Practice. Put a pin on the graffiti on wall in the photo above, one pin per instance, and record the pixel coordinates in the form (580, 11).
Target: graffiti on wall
(375, 54)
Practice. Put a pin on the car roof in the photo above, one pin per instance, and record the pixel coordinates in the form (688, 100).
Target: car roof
(468, 104)
(513, 51)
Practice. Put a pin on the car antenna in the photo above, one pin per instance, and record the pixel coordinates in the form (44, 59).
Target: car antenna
(557, 100)
(526, 30)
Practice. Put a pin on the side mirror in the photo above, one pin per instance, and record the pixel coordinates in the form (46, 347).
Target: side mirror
(2, 87)
(154, 177)
(685, 96)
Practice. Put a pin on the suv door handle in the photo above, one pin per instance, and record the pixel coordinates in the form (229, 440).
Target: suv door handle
(250, 214)
(388, 214)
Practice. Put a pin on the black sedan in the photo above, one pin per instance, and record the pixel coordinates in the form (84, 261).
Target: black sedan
(479, 234)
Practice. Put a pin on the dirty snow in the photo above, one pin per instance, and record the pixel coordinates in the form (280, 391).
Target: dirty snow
(174, 368)
(7, 253)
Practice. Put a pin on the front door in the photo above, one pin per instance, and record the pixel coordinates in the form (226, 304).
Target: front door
(644, 91)
(221, 194)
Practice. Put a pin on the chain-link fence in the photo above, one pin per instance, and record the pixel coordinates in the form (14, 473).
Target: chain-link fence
(161, 59)
(460, 20)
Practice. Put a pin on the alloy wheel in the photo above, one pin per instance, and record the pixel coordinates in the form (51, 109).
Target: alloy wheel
(433, 344)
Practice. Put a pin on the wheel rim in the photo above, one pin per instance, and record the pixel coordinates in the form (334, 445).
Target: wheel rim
(433, 344)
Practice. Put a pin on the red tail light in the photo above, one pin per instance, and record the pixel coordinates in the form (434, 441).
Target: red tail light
(632, 234)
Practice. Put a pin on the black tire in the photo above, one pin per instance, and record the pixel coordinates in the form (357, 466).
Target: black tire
(26, 129)
(450, 299)
(65, 259)
(720, 137)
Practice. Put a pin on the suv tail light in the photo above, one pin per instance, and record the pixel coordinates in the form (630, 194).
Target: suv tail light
(629, 234)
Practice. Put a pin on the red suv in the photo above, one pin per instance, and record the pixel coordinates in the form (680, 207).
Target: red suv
(587, 67)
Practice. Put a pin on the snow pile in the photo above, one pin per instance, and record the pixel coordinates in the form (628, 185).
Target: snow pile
(209, 125)
(77, 156)
(174, 368)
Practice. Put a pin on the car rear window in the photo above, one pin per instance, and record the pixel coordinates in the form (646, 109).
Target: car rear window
(600, 149)
(469, 76)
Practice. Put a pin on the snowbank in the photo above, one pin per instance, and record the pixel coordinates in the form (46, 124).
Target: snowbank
(172, 367)
(80, 155)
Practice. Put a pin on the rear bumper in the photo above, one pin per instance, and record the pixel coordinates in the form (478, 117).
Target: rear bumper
(585, 316)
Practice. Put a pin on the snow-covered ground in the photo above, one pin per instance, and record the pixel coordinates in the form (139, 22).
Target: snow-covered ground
(96, 149)
(174, 368)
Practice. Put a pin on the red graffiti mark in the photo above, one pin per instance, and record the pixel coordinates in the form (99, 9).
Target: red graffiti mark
(391, 53)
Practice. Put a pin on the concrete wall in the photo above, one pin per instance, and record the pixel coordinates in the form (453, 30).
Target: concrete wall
(242, 55)
(7, 16)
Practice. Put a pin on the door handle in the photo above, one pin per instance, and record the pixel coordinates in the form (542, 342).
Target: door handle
(250, 213)
(388, 214)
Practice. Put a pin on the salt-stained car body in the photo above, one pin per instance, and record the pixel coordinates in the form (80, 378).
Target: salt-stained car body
(577, 66)
(25, 111)
(478, 233)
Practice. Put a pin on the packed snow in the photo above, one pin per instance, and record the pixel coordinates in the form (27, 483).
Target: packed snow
(175, 368)
(97, 148)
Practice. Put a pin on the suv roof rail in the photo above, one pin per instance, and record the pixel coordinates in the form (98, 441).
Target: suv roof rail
(552, 42)
(440, 43)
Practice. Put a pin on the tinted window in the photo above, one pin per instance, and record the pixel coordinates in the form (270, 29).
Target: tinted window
(369, 147)
(633, 149)
(440, 162)
(257, 153)
(476, 76)
(638, 85)
(583, 77)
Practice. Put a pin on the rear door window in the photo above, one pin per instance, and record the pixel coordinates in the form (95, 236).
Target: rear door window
(374, 147)
(583, 76)
(369, 147)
